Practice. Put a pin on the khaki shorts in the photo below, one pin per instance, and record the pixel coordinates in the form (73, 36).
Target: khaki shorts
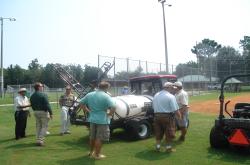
(99, 131)
(183, 123)
(164, 124)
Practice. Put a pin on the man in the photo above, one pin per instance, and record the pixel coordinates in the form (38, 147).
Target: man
(182, 101)
(66, 101)
(22, 105)
(165, 109)
(42, 111)
(100, 107)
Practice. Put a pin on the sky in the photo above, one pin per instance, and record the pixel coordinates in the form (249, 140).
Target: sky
(76, 31)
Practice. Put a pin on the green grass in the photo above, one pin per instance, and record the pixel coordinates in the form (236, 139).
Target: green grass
(213, 95)
(72, 149)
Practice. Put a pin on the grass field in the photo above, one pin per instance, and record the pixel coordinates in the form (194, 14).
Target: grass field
(72, 149)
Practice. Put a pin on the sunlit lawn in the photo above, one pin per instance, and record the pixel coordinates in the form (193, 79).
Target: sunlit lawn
(72, 149)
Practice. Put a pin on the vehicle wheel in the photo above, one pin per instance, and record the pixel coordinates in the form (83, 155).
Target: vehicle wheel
(140, 129)
(218, 138)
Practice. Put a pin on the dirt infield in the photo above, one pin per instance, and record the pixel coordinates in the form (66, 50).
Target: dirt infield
(213, 106)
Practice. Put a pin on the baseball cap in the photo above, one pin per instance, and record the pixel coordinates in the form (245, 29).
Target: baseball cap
(22, 90)
(168, 84)
(178, 84)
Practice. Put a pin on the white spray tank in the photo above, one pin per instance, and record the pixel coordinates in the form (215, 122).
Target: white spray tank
(130, 105)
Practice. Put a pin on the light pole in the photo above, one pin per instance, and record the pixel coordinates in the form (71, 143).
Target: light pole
(165, 33)
(2, 79)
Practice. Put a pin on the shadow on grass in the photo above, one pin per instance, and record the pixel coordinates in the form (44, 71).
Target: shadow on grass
(77, 161)
(152, 155)
(79, 143)
(230, 154)
(22, 145)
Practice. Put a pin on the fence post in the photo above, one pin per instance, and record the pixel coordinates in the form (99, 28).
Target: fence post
(127, 65)
(115, 90)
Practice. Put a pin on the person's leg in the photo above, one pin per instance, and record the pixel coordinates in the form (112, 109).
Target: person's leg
(98, 147)
(183, 125)
(44, 124)
(170, 133)
(102, 134)
(24, 117)
(158, 127)
(38, 125)
(17, 126)
(67, 125)
(92, 136)
(63, 120)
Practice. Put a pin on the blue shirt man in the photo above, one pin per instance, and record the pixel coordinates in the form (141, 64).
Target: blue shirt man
(100, 106)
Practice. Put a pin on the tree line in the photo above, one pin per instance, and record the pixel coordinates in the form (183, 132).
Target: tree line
(215, 60)
(14, 74)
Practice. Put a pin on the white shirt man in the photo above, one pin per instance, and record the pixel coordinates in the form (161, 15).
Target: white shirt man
(22, 105)
(182, 101)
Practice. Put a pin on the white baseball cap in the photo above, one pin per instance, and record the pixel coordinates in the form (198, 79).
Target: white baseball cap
(22, 90)
(168, 84)
(178, 84)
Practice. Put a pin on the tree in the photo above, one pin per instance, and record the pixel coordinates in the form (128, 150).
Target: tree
(245, 44)
(34, 71)
(229, 61)
(204, 52)
(188, 68)
(90, 74)
(14, 75)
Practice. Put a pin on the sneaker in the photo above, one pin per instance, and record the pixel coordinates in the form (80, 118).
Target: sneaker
(98, 157)
(170, 150)
(157, 148)
(47, 132)
(41, 143)
(91, 154)
(67, 132)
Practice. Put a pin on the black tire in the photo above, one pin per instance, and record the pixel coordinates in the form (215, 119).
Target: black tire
(139, 130)
(218, 138)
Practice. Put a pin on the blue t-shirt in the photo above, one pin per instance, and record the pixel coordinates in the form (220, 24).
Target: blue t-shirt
(164, 102)
(98, 102)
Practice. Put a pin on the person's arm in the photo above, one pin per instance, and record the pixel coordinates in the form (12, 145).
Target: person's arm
(84, 108)
(47, 106)
(111, 111)
(20, 105)
(60, 101)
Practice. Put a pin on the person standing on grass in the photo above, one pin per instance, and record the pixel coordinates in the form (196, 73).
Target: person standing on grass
(100, 107)
(182, 101)
(22, 105)
(66, 101)
(165, 109)
(42, 111)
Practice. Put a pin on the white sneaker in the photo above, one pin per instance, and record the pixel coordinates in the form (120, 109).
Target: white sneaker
(47, 132)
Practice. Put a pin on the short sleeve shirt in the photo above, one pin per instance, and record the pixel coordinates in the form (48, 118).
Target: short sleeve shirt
(98, 102)
(164, 102)
(182, 98)
(21, 101)
(67, 100)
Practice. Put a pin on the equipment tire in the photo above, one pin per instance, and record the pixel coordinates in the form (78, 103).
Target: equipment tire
(217, 138)
(140, 129)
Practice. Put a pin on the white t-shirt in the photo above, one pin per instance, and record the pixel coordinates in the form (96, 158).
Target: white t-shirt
(182, 98)
(164, 102)
(21, 101)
